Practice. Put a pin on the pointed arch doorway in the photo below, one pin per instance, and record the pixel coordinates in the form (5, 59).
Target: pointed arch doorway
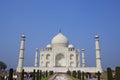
(60, 60)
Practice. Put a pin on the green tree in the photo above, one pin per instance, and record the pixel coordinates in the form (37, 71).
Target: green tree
(69, 73)
(117, 73)
(22, 75)
(38, 75)
(33, 75)
(83, 74)
(46, 73)
(88, 75)
(98, 75)
(10, 74)
(74, 74)
(41, 75)
(51, 72)
(79, 75)
(109, 74)
(3, 66)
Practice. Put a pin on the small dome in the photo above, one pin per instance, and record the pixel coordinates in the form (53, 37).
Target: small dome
(60, 40)
(82, 49)
(70, 46)
(49, 46)
(23, 36)
(96, 36)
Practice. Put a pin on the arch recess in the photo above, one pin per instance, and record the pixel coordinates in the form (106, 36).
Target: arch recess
(71, 64)
(71, 56)
(48, 57)
(60, 60)
(47, 64)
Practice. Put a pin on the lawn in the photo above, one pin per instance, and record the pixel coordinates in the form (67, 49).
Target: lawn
(47, 78)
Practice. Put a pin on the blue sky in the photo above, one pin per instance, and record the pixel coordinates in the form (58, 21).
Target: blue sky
(79, 20)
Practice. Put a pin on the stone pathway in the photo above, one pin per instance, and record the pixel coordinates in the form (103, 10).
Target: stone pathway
(60, 77)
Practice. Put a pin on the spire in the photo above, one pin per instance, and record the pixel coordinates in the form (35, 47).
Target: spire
(59, 30)
(98, 58)
(36, 58)
(21, 54)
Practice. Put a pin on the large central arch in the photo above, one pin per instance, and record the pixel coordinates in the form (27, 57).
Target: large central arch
(60, 60)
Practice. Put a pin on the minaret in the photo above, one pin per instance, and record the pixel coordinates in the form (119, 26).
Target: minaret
(36, 58)
(98, 58)
(21, 54)
(83, 58)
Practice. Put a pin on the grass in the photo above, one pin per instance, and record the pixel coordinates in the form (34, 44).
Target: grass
(46, 78)
(104, 76)
(1, 74)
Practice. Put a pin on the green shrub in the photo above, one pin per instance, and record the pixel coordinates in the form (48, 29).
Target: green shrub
(98, 75)
(79, 74)
(10, 74)
(69, 72)
(46, 73)
(37, 74)
(83, 76)
(51, 72)
(88, 74)
(22, 75)
(74, 74)
(109, 74)
(33, 74)
(117, 73)
(40, 75)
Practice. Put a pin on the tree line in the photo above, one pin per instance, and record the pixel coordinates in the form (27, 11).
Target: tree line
(80, 75)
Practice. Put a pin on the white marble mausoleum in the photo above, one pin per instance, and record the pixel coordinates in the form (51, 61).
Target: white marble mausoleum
(59, 56)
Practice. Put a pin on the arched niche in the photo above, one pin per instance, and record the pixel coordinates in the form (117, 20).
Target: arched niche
(48, 57)
(42, 55)
(60, 60)
(41, 63)
(71, 64)
(47, 64)
(71, 56)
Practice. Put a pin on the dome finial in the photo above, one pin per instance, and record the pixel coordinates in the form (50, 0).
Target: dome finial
(59, 30)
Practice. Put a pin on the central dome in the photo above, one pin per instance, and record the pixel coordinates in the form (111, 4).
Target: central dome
(60, 40)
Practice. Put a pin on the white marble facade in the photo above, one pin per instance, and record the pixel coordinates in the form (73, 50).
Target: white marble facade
(59, 53)
(60, 56)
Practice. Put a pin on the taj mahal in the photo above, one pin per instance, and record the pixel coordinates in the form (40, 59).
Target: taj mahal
(59, 56)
